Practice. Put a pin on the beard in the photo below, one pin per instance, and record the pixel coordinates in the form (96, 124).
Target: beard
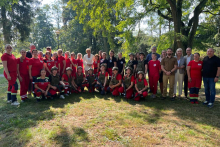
(169, 54)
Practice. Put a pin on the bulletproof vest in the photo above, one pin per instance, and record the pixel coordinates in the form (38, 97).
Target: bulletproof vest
(130, 64)
(140, 66)
(55, 80)
(91, 78)
(70, 79)
(127, 81)
(102, 77)
(114, 81)
(140, 85)
(79, 78)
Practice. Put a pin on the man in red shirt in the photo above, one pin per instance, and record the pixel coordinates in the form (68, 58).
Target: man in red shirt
(115, 82)
(62, 62)
(140, 86)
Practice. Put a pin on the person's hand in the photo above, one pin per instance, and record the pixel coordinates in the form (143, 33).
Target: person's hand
(98, 83)
(43, 91)
(216, 80)
(140, 92)
(54, 87)
(20, 78)
(31, 78)
(126, 89)
(167, 73)
(189, 79)
(9, 77)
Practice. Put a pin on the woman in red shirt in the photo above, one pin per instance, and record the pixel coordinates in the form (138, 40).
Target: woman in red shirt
(22, 69)
(10, 73)
(62, 62)
(48, 63)
(154, 74)
(194, 72)
(56, 62)
(67, 59)
(96, 64)
(80, 61)
(140, 86)
(74, 63)
(40, 55)
(35, 66)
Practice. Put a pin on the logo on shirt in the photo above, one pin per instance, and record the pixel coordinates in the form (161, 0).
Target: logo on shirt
(155, 64)
(110, 61)
(46, 80)
(199, 64)
(49, 64)
(41, 61)
(121, 62)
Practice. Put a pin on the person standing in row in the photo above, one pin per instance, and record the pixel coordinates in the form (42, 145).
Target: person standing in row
(96, 64)
(168, 66)
(22, 70)
(149, 56)
(74, 62)
(142, 64)
(194, 72)
(121, 64)
(163, 55)
(29, 53)
(62, 62)
(188, 58)
(132, 63)
(10, 73)
(112, 62)
(88, 60)
(40, 55)
(104, 60)
(80, 61)
(56, 62)
(48, 63)
(100, 55)
(179, 73)
(67, 59)
(211, 72)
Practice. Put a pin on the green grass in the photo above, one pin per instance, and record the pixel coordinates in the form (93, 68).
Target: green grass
(95, 120)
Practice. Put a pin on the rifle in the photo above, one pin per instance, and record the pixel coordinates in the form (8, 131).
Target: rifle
(90, 84)
(100, 82)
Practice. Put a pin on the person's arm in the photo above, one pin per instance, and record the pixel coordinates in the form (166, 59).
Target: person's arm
(188, 73)
(146, 68)
(132, 83)
(136, 88)
(98, 64)
(64, 66)
(59, 68)
(35, 86)
(122, 72)
(19, 76)
(106, 78)
(119, 83)
(48, 87)
(217, 75)
(45, 65)
(30, 66)
(135, 66)
(115, 64)
(145, 88)
(6, 69)
(84, 60)
(184, 64)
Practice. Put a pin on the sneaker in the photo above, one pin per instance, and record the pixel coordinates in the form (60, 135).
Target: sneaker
(196, 102)
(210, 105)
(15, 103)
(154, 96)
(192, 102)
(66, 95)
(9, 101)
(205, 102)
(62, 97)
(151, 96)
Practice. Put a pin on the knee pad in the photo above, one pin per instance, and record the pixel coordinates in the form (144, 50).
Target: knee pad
(16, 85)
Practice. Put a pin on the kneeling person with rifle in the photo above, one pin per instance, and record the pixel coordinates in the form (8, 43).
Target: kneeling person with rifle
(67, 79)
(140, 86)
(128, 83)
(56, 84)
(115, 82)
(90, 80)
(102, 80)
(79, 79)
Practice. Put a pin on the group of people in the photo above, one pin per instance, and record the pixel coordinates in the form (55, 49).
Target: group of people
(54, 75)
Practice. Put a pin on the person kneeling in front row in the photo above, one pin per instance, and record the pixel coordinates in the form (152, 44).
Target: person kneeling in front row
(140, 86)
(102, 80)
(90, 80)
(115, 82)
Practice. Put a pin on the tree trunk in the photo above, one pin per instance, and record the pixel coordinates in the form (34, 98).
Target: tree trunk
(6, 26)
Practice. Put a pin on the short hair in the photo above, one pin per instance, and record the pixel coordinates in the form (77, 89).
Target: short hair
(179, 49)
(104, 53)
(67, 52)
(7, 46)
(188, 48)
(59, 50)
(111, 51)
(154, 54)
(154, 47)
(34, 50)
(73, 53)
(197, 54)
(169, 49)
(88, 49)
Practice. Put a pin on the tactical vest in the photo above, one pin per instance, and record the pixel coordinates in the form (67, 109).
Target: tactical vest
(69, 79)
(79, 79)
(55, 80)
(130, 64)
(102, 77)
(91, 78)
(140, 85)
(127, 81)
(140, 66)
(114, 81)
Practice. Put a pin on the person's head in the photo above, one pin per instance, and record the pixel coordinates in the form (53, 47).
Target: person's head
(179, 52)
(67, 54)
(104, 55)
(137, 56)
(79, 56)
(100, 53)
(23, 53)
(54, 70)
(111, 53)
(40, 54)
(90, 71)
(120, 55)
(153, 49)
(128, 70)
(131, 56)
(49, 49)
(55, 55)
(141, 56)
(88, 51)
(188, 51)
(140, 74)
(73, 55)
(79, 69)
(210, 52)
(115, 70)
(154, 56)
(59, 52)
(43, 72)
(32, 47)
(103, 67)
(47, 55)
(96, 57)
(196, 56)
(169, 52)
(164, 53)
(34, 53)
(8, 48)
(69, 70)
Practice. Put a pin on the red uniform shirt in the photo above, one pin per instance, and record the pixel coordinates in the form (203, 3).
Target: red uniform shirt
(74, 62)
(68, 62)
(50, 63)
(56, 62)
(79, 62)
(118, 77)
(23, 66)
(11, 62)
(154, 67)
(132, 78)
(65, 77)
(195, 69)
(139, 80)
(78, 75)
(42, 83)
(106, 74)
(60, 60)
(41, 58)
(95, 64)
(37, 65)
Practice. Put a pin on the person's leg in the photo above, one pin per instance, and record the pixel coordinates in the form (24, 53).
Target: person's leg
(192, 94)
(151, 79)
(23, 91)
(155, 82)
(181, 77)
(9, 93)
(144, 94)
(207, 89)
(137, 98)
(115, 92)
(175, 82)
(212, 90)
(27, 81)
(186, 85)
(196, 95)
(129, 93)
(121, 90)
(171, 81)
(165, 82)
(38, 94)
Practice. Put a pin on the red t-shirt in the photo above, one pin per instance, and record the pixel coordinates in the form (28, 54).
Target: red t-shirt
(56, 62)
(132, 78)
(106, 74)
(50, 63)
(68, 62)
(11, 62)
(60, 60)
(95, 64)
(65, 77)
(41, 58)
(154, 67)
(80, 63)
(74, 62)
(145, 81)
(37, 65)
(23, 66)
(195, 69)
(118, 77)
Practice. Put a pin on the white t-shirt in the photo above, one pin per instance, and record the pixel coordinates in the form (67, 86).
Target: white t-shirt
(87, 60)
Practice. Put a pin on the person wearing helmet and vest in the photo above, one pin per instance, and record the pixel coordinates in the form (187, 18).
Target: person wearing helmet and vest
(79, 79)
(102, 81)
(140, 86)
(128, 82)
(142, 65)
(56, 84)
(68, 80)
(91, 80)
(132, 63)
(115, 82)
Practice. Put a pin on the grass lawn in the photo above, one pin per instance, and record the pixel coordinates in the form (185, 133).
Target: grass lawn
(95, 120)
